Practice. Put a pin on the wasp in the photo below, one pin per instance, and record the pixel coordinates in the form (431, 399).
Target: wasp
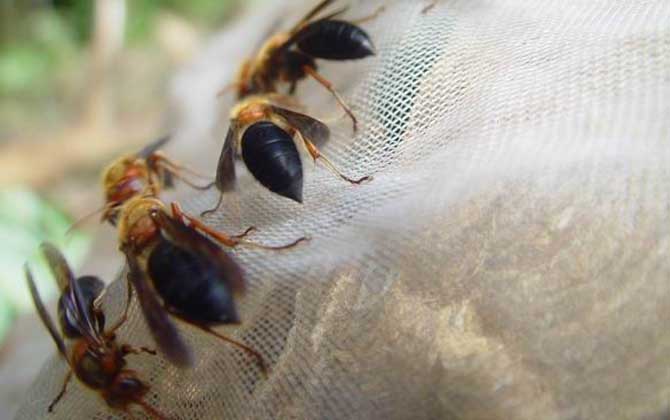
(134, 174)
(288, 57)
(177, 270)
(95, 357)
(173, 266)
(264, 130)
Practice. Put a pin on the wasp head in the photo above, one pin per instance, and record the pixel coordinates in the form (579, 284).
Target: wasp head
(122, 180)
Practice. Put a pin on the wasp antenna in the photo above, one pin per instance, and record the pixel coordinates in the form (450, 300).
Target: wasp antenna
(227, 89)
(87, 217)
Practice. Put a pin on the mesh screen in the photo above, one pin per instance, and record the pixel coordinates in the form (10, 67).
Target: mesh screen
(510, 258)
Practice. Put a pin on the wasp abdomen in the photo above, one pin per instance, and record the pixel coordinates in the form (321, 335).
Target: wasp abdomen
(335, 40)
(271, 156)
(191, 285)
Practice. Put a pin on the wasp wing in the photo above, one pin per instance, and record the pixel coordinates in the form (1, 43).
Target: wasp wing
(167, 176)
(311, 128)
(75, 301)
(312, 13)
(225, 170)
(299, 30)
(193, 241)
(153, 146)
(43, 314)
(162, 328)
(59, 267)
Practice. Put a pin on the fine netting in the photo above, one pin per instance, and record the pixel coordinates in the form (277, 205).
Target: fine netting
(508, 261)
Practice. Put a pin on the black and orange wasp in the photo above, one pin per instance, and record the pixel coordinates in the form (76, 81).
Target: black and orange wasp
(95, 357)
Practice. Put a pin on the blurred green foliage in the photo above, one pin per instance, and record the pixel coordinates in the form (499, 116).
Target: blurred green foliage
(44, 41)
(28, 57)
(142, 13)
(43, 61)
(26, 220)
(16, 16)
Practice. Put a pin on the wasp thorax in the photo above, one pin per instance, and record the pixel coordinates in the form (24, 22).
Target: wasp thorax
(263, 63)
(250, 111)
(97, 366)
(137, 226)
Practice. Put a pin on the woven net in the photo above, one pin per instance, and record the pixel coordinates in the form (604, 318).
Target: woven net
(508, 261)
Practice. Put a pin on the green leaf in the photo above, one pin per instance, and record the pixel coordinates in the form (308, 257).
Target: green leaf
(26, 220)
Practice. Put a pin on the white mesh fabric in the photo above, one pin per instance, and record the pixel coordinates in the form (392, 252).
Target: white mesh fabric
(510, 258)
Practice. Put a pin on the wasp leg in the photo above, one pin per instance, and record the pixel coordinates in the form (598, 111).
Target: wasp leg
(158, 160)
(62, 391)
(215, 208)
(370, 17)
(291, 89)
(246, 233)
(316, 154)
(230, 241)
(128, 349)
(328, 85)
(259, 358)
(428, 7)
(227, 88)
(124, 316)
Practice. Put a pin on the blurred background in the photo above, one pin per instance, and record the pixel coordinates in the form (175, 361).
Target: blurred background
(81, 81)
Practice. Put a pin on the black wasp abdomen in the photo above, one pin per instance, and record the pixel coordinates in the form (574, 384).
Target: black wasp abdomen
(191, 285)
(335, 40)
(91, 288)
(271, 156)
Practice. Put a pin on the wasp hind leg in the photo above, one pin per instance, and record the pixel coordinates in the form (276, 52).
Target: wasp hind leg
(316, 154)
(256, 355)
